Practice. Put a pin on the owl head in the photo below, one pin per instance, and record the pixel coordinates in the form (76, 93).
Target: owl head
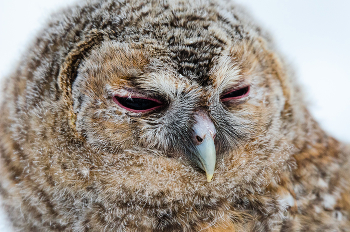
(150, 114)
(198, 86)
(147, 102)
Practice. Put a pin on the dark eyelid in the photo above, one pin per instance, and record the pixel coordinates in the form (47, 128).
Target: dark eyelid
(120, 100)
(146, 98)
(245, 91)
(234, 88)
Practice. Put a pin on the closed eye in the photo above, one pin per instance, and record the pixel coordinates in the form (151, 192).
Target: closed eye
(137, 104)
(236, 94)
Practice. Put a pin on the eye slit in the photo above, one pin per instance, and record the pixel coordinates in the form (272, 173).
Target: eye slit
(236, 94)
(137, 104)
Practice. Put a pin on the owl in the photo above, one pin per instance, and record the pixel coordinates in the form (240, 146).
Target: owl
(164, 116)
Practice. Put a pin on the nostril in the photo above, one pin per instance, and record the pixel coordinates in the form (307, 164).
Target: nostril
(199, 139)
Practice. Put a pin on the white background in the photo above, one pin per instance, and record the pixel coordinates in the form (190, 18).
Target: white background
(313, 34)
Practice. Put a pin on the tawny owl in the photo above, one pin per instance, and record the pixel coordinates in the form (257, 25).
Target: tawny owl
(164, 116)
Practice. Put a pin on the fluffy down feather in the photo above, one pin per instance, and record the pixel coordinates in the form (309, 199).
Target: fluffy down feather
(74, 160)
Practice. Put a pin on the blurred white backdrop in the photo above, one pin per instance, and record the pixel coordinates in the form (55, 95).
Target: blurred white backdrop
(313, 35)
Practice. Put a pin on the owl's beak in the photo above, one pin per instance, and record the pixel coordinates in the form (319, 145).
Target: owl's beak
(203, 138)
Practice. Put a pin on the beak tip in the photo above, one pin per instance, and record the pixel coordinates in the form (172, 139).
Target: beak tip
(209, 178)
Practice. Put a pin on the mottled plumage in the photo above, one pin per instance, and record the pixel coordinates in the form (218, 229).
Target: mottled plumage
(78, 155)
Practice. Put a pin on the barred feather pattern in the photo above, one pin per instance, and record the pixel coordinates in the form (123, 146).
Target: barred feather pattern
(71, 160)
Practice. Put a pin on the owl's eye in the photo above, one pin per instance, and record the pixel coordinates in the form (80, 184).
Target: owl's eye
(137, 104)
(236, 94)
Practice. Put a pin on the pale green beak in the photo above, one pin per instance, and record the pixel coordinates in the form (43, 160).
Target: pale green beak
(203, 138)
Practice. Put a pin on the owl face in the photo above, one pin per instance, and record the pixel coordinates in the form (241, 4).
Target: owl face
(132, 96)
